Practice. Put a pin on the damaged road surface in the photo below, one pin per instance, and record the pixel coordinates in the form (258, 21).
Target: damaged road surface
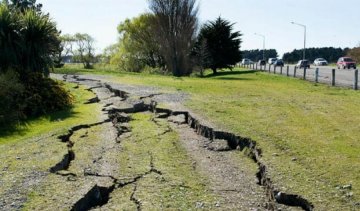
(139, 156)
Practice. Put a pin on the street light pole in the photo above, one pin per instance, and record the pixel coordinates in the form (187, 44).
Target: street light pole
(263, 36)
(302, 25)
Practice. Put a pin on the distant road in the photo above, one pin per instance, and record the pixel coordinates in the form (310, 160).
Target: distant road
(343, 77)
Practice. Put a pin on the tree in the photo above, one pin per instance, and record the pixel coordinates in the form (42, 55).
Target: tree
(85, 49)
(222, 44)
(176, 23)
(257, 54)
(27, 41)
(24, 5)
(67, 43)
(329, 53)
(137, 47)
(354, 53)
(201, 56)
(10, 38)
(109, 52)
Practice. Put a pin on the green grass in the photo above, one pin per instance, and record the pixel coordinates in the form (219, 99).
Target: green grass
(57, 121)
(309, 133)
(179, 187)
(33, 147)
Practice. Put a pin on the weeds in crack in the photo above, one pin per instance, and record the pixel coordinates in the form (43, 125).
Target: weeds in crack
(152, 166)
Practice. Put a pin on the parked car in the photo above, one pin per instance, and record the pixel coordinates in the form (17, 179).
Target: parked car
(272, 60)
(346, 62)
(246, 62)
(303, 63)
(320, 62)
(279, 62)
(261, 62)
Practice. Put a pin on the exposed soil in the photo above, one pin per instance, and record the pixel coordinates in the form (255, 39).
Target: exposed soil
(91, 170)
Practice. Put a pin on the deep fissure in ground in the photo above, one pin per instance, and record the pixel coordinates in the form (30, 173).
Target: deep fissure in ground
(99, 196)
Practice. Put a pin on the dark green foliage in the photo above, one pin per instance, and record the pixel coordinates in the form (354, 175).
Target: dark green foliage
(10, 39)
(44, 95)
(38, 96)
(256, 55)
(27, 41)
(11, 92)
(329, 53)
(40, 41)
(222, 44)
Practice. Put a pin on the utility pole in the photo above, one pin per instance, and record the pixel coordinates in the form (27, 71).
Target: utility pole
(302, 25)
(263, 36)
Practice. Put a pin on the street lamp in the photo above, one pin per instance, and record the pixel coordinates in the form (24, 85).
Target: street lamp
(263, 36)
(302, 25)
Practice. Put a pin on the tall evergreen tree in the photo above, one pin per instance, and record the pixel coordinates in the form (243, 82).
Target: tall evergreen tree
(222, 44)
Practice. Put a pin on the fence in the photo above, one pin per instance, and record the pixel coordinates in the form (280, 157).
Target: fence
(348, 78)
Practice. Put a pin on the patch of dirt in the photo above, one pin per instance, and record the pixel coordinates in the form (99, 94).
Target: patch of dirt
(231, 175)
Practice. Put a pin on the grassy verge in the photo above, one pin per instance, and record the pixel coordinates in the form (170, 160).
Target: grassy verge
(28, 151)
(57, 121)
(309, 133)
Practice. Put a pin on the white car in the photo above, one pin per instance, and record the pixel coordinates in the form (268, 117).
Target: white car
(320, 62)
(246, 62)
(272, 60)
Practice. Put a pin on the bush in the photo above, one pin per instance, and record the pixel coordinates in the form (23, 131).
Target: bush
(11, 103)
(38, 96)
(44, 95)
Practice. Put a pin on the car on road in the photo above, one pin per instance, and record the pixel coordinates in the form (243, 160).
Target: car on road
(346, 62)
(279, 62)
(303, 63)
(272, 60)
(261, 62)
(320, 62)
(246, 62)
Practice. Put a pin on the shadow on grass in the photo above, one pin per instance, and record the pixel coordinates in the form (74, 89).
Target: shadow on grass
(23, 127)
(231, 73)
(232, 79)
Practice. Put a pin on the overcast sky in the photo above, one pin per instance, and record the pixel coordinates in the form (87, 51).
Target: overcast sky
(329, 22)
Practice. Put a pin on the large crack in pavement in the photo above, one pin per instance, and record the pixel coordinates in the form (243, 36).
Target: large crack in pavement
(99, 196)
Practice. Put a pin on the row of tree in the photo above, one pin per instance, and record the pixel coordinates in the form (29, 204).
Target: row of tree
(256, 55)
(329, 53)
(80, 47)
(168, 39)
